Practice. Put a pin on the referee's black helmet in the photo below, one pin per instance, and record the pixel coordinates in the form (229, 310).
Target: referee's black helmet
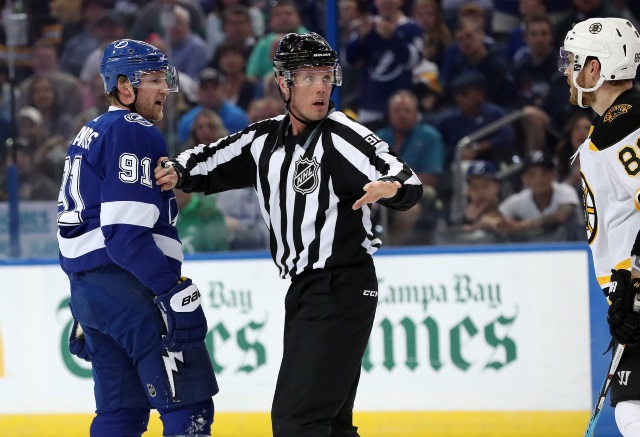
(305, 50)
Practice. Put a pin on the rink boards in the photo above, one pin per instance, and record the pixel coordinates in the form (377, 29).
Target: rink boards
(483, 341)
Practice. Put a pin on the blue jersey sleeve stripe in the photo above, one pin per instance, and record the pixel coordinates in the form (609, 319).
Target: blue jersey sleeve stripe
(129, 213)
(169, 246)
(82, 244)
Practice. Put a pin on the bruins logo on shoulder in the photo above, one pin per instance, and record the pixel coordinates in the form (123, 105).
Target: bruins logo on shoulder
(616, 111)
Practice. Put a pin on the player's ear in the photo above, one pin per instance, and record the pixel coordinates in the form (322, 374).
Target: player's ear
(124, 87)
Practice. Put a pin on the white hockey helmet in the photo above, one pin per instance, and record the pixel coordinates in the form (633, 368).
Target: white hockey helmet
(614, 41)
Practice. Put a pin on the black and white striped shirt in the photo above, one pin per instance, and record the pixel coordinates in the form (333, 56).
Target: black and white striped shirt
(306, 186)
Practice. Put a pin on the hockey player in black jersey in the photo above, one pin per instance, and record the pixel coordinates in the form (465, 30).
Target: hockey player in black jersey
(600, 57)
(315, 172)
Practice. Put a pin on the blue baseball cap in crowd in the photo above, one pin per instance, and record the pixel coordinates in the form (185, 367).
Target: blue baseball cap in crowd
(486, 169)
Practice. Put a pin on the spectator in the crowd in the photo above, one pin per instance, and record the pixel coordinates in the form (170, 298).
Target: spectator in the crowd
(50, 155)
(545, 210)
(417, 143)
(43, 96)
(188, 51)
(157, 16)
(30, 128)
(112, 26)
(33, 183)
(472, 112)
(483, 192)
(78, 19)
(581, 10)
(451, 8)
(474, 55)
(535, 73)
(201, 225)
(515, 39)
(99, 103)
(265, 107)
(385, 48)
(236, 21)
(421, 147)
(211, 96)
(467, 12)
(481, 222)
(575, 132)
(244, 220)
(426, 75)
(509, 15)
(437, 35)
(237, 88)
(45, 63)
(536, 67)
(207, 128)
(284, 18)
(350, 12)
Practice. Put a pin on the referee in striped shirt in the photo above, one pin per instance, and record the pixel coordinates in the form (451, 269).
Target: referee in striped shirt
(315, 172)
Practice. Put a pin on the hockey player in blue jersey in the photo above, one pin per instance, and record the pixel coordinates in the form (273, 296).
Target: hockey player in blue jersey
(138, 321)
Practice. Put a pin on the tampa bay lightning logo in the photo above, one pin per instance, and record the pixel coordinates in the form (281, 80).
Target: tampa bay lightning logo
(121, 44)
(305, 178)
(132, 117)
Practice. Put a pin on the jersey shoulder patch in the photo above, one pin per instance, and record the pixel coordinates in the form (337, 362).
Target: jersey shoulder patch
(620, 120)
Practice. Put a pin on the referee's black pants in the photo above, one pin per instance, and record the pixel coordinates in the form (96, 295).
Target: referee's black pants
(328, 319)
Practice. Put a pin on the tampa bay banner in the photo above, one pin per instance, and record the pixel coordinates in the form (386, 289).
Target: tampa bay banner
(482, 331)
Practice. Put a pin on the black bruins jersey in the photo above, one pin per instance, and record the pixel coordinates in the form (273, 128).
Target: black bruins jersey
(610, 167)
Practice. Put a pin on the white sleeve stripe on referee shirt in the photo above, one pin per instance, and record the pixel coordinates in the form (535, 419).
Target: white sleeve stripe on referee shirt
(222, 156)
(128, 213)
(170, 247)
(82, 244)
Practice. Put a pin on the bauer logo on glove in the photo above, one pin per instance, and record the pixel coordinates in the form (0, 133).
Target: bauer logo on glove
(183, 314)
(186, 300)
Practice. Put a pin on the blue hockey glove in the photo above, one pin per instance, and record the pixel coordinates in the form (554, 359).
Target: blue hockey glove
(77, 343)
(183, 314)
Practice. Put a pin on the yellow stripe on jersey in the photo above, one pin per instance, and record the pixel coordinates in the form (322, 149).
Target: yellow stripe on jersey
(604, 280)
(593, 147)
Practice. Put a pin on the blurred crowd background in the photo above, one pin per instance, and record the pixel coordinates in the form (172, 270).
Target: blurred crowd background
(468, 93)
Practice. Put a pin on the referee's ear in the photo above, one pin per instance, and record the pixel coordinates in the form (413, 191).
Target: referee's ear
(282, 84)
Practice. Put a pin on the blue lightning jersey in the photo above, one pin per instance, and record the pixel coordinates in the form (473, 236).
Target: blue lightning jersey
(110, 209)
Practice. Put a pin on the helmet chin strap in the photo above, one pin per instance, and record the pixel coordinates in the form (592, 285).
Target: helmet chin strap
(585, 90)
(131, 106)
(287, 103)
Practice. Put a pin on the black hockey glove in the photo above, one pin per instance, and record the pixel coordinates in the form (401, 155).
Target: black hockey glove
(77, 343)
(623, 317)
(183, 314)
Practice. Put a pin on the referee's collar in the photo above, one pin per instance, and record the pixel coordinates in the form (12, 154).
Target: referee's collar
(304, 139)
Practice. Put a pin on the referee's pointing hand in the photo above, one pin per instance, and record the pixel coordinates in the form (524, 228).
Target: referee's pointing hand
(377, 190)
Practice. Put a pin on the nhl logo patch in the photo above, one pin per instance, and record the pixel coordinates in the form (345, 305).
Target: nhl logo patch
(616, 111)
(305, 177)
